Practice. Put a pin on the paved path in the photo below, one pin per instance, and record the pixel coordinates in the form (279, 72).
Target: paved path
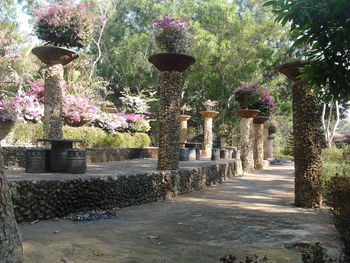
(247, 215)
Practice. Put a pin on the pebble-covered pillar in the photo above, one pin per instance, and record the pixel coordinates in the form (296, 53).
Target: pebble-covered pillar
(183, 129)
(269, 147)
(307, 147)
(208, 132)
(53, 118)
(246, 143)
(170, 95)
(258, 146)
(266, 141)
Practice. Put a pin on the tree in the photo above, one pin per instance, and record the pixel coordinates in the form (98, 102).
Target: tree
(10, 240)
(322, 28)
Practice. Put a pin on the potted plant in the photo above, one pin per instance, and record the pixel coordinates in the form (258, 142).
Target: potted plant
(209, 109)
(7, 118)
(172, 38)
(63, 25)
(183, 116)
(265, 105)
(247, 95)
(272, 130)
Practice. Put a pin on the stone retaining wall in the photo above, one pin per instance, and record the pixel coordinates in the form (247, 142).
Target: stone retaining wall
(15, 156)
(45, 199)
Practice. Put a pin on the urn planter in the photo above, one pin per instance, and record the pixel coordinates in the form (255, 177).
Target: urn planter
(260, 120)
(171, 61)
(184, 117)
(247, 113)
(267, 125)
(291, 70)
(5, 128)
(54, 55)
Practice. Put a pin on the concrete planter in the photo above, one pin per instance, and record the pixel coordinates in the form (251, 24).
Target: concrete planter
(54, 55)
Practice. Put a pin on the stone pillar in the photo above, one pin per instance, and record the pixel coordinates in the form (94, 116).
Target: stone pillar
(183, 129)
(258, 146)
(208, 132)
(53, 117)
(246, 144)
(269, 147)
(170, 95)
(266, 141)
(307, 147)
(223, 142)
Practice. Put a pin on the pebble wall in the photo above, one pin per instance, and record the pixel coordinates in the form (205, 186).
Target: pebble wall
(45, 199)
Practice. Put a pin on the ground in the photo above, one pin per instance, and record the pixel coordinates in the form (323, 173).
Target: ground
(252, 214)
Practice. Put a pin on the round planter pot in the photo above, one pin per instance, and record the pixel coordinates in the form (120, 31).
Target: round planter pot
(260, 120)
(247, 113)
(184, 117)
(171, 61)
(267, 125)
(5, 128)
(291, 70)
(54, 55)
(109, 110)
(209, 114)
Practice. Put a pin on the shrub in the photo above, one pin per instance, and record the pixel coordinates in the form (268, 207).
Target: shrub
(27, 132)
(248, 94)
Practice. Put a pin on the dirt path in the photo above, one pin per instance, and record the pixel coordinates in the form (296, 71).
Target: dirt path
(247, 215)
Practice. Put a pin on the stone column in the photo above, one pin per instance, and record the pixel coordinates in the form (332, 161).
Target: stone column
(208, 132)
(53, 117)
(307, 144)
(307, 147)
(183, 128)
(270, 147)
(170, 96)
(258, 146)
(246, 144)
(266, 141)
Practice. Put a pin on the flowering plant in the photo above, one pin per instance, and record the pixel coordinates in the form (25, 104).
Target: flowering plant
(111, 122)
(7, 112)
(264, 104)
(172, 34)
(64, 24)
(185, 108)
(247, 94)
(78, 111)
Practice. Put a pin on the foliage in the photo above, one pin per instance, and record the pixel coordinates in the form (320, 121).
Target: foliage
(264, 104)
(322, 28)
(233, 259)
(289, 146)
(272, 130)
(7, 112)
(172, 34)
(64, 24)
(26, 132)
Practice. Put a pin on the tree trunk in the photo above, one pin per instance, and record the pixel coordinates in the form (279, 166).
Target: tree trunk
(307, 147)
(53, 118)
(170, 94)
(10, 240)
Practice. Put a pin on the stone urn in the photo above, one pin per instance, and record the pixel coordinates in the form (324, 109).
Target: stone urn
(209, 114)
(171, 61)
(246, 113)
(109, 110)
(51, 55)
(184, 117)
(260, 119)
(291, 70)
(5, 128)
(267, 125)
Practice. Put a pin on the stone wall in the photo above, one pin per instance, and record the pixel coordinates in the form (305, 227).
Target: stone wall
(45, 199)
(15, 156)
